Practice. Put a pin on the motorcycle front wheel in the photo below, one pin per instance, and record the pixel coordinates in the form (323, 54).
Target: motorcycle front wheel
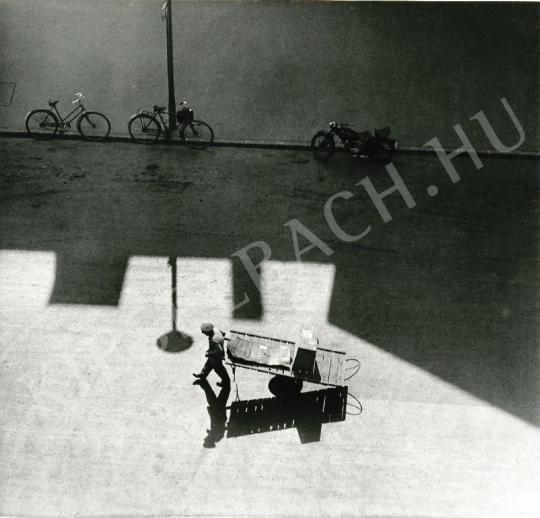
(323, 145)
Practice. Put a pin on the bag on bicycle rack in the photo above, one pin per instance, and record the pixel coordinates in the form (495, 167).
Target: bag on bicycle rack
(184, 116)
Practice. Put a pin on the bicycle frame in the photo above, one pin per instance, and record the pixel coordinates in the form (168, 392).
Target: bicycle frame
(164, 124)
(70, 116)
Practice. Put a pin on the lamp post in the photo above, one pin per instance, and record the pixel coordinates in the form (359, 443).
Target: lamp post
(166, 9)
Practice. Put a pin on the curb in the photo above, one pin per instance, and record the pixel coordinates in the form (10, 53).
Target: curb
(283, 145)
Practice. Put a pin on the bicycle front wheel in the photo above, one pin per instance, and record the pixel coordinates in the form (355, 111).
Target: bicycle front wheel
(41, 124)
(94, 126)
(144, 128)
(197, 134)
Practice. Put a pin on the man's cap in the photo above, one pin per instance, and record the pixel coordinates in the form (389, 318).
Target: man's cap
(207, 327)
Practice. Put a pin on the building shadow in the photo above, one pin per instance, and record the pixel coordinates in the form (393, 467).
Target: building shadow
(247, 296)
(92, 278)
(306, 412)
(449, 286)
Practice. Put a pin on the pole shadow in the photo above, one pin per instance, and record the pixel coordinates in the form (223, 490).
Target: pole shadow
(174, 341)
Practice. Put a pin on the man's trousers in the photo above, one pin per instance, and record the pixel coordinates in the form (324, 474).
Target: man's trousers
(218, 366)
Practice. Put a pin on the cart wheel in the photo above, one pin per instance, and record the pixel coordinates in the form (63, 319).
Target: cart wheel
(283, 386)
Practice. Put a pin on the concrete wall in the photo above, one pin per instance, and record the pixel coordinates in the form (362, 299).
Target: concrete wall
(277, 71)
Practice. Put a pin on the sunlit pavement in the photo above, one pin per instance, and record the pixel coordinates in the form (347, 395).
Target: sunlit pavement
(98, 420)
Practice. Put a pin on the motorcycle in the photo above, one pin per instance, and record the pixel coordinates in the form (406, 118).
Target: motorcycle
(377, 145)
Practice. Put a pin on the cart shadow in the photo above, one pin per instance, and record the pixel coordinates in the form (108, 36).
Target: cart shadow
(306, 412)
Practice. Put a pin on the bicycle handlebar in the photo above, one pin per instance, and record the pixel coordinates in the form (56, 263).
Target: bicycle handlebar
(79, 97)
(163, 109)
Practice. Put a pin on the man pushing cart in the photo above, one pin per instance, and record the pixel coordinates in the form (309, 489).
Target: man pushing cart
(215, 355)
(290, 362)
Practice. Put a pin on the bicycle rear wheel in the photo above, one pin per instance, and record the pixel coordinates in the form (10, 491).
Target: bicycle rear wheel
(144, 128)
(94, 126)
(41, 124)
(197, 134)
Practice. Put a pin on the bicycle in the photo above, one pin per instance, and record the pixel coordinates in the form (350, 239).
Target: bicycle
(44, 124)
(146, 127)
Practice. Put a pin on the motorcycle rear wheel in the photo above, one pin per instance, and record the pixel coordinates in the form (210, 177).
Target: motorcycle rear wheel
(382, 149)
(323, 145)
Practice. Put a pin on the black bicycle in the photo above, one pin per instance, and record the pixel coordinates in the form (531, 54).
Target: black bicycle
(146, 127)
(45, 124)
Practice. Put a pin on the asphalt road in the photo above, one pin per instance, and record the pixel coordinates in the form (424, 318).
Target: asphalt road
(439, 305)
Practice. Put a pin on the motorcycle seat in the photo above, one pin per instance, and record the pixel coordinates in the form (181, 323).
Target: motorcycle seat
(364, 135)
(383, 132)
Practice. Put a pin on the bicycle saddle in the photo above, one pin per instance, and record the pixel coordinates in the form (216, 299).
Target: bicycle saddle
(159, 109)
(53, 103)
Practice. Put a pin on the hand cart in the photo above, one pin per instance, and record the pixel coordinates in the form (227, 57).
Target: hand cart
(291, 362)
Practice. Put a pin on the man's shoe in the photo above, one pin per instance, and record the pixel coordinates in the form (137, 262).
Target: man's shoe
(200, 376)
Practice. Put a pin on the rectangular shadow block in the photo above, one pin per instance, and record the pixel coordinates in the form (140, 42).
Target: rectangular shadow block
(304, 359)
(306, 350)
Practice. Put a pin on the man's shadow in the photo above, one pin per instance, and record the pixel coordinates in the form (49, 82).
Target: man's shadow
(217, 410)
